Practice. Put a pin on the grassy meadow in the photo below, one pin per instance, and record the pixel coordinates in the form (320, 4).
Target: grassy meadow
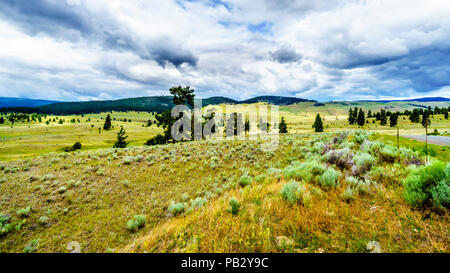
(337, 191)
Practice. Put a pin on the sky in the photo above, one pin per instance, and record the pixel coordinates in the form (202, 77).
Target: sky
(73, 50)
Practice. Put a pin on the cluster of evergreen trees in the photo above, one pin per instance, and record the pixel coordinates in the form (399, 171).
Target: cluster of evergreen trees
(185, 96)
(21, 117)
(356, 116)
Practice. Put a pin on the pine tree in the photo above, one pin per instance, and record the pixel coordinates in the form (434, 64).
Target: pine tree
(383, 117)
(415, 116)
(318, 125)
(393, 120)
(283, 126)
(2, 120)
(426, 119)
(446, 115)
(361, 119)
(107, 124)
(121, 139)
(350, 117)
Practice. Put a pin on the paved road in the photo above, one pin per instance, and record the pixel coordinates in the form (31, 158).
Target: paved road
(438, 140)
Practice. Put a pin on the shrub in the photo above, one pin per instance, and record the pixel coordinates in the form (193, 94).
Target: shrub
(429, 186)
(359, 136)
(409, 157)
(363, 161)
(47, 177)
(351, 180)
(363, 187)
(348, 194)
(342, 158)
(260, 178)
(306, 171)
(156, 140)
(234, 206)
(139, 158)
(62, 189)
(136, 223)
(74, 147)
(388, 153)
(291, 192)
(245, 180)
(24, 212)
(198, 202)
(127, 160)
(5, 226)
(176, 208)
(32, 246)
(43, 220)
(329, 179)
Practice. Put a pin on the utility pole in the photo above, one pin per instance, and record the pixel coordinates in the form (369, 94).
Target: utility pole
(398, 138)
(426, 139)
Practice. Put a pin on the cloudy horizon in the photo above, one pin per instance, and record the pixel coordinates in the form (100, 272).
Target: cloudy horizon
(71, 50)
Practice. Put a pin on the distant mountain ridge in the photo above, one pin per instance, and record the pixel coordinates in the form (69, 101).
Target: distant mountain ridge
(20, 102)
(149, 104)
(427, 99)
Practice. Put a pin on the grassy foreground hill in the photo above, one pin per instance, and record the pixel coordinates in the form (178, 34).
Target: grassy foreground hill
(221, 196)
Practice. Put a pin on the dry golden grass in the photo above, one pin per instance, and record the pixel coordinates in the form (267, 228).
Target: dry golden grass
(328, 224)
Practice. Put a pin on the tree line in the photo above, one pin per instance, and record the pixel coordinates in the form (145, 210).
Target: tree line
(418, 115)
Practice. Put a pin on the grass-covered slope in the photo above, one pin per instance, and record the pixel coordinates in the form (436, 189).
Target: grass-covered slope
(316, 193)
(341, 195)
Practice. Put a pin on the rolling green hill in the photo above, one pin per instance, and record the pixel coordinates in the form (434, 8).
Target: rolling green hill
(159, 104)
(156, 104)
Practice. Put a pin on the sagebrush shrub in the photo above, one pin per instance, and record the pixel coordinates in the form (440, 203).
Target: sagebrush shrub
(429, 186)
(359, 136)
(342, 158)
(234, 206)
(409, 157)
(127, 160)
(24, 212)
(260, 178)
(351, 180)
(176, 208)
(363, 161)
(348, 194)
(43, 220)
(198, 202)
(32, 246)
(245, 180)
(292, 192)
(329, 179)
(307, 170)
(136, 223)
(388, 153)
(5, 226)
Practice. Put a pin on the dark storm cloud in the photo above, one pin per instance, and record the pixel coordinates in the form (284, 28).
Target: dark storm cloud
(46, 16)
(426, 69)
(286, 54)
(63, 21)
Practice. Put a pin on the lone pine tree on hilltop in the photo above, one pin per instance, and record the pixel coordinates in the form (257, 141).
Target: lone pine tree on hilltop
(283, 126)
(121, 139)
(318, 124)
(107, 124)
